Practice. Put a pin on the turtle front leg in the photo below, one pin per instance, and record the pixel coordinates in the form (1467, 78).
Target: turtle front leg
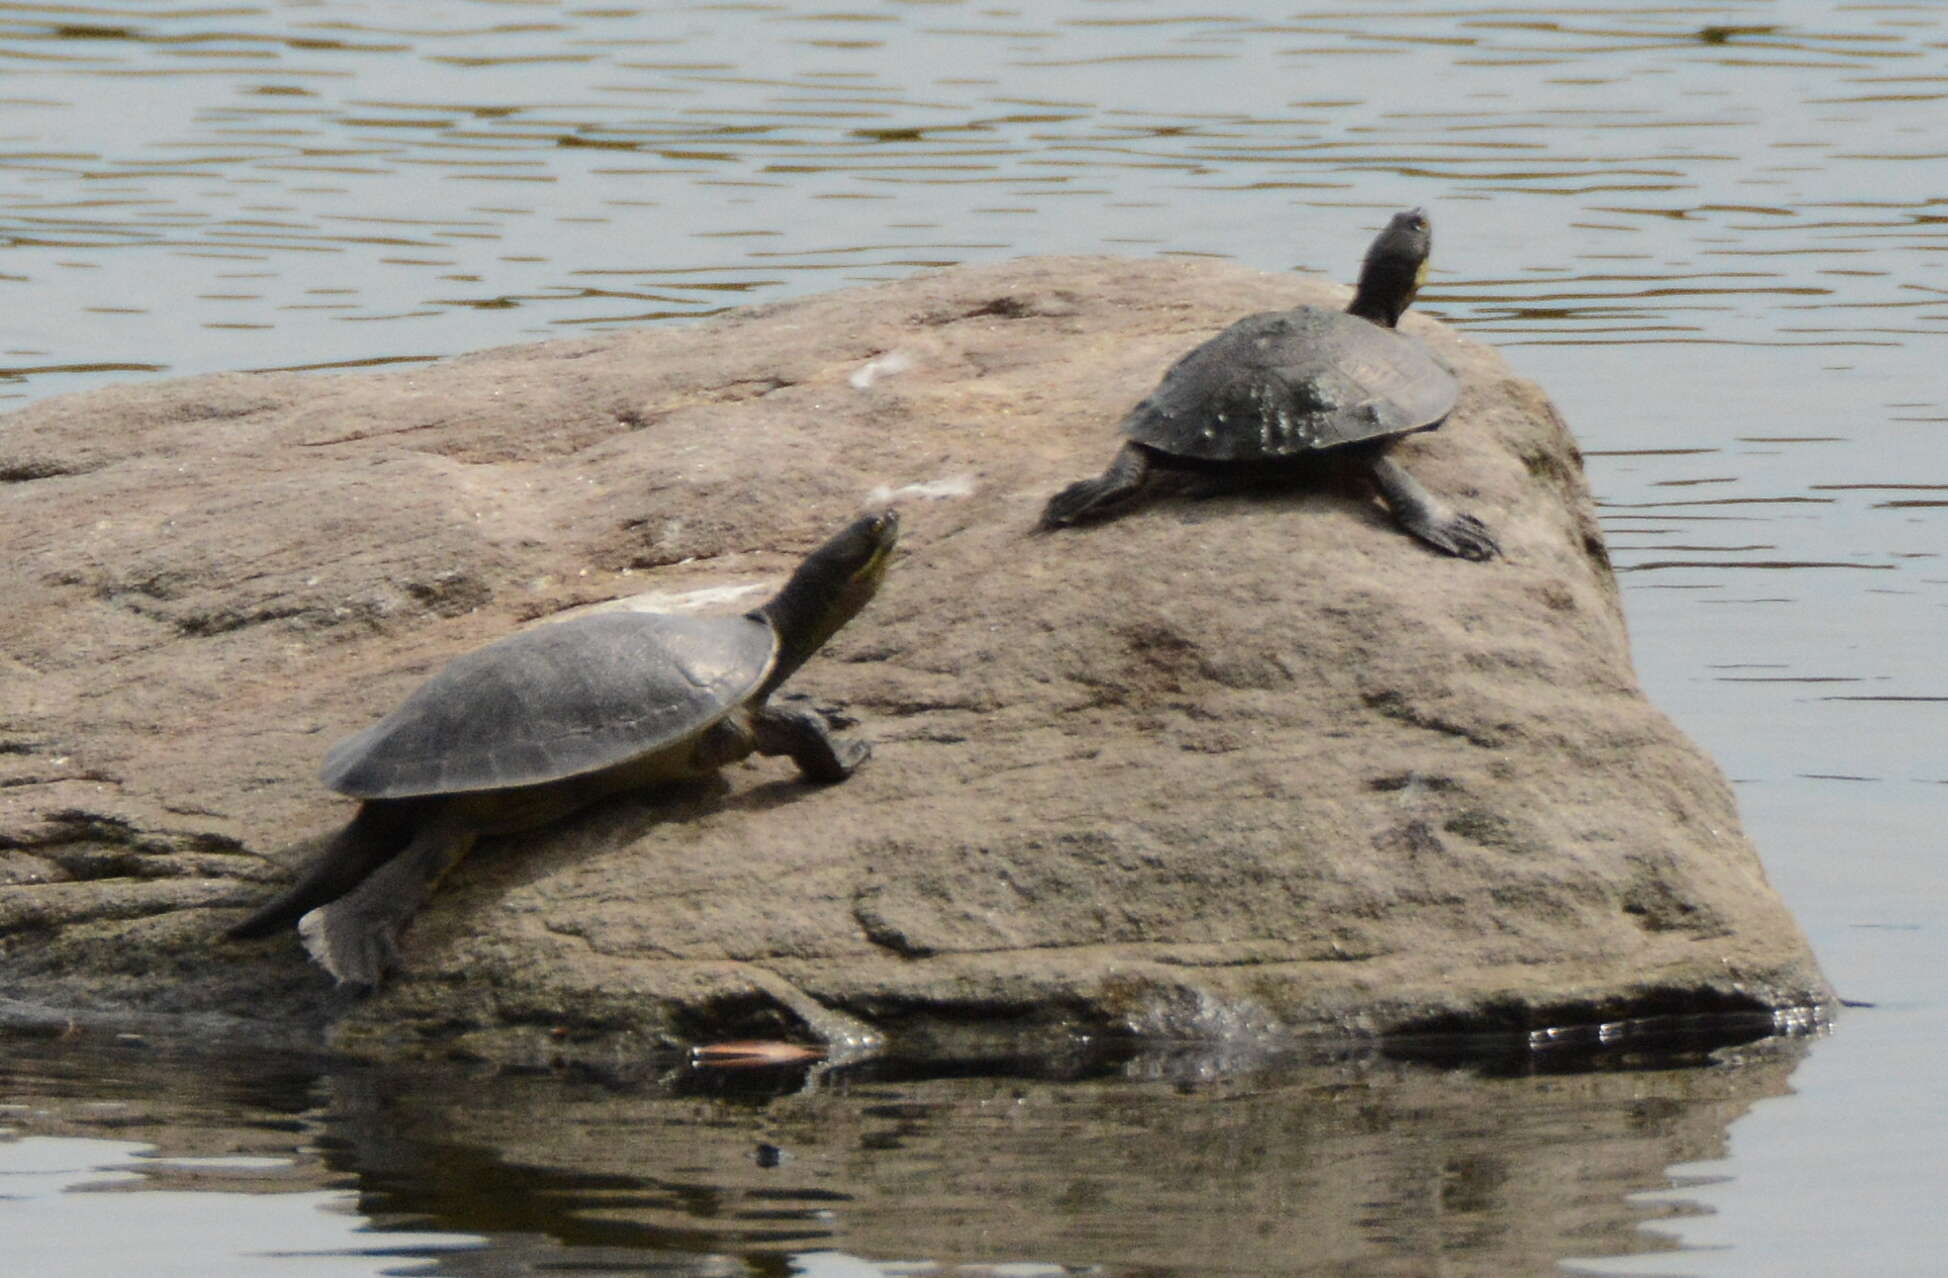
(1427, 517)
(356, 937)
(1105, 495)
(808, 739)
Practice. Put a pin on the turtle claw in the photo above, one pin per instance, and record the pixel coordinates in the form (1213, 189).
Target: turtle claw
(1070, 506)
(1462, 536)
(357, 953)
(1105, 496)
(1469, 538)
(807, 738)
(852, 752)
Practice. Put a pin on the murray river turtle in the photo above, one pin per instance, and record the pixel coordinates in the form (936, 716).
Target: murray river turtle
(1282, 391)
(530, 728)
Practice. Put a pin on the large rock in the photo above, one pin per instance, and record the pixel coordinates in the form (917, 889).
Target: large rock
(1254, 763)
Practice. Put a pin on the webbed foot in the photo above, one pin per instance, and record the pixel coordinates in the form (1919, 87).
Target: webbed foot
(356, 937)
(1425, 516)
(1460, 535)
(1102, 497)
(808, 739)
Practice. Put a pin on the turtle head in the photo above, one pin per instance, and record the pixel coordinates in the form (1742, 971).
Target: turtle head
(852, 564)
(829, 589)
(1394, 269)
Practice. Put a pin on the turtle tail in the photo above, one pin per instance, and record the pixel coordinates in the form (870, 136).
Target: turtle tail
(377, 834)
(1104, 496)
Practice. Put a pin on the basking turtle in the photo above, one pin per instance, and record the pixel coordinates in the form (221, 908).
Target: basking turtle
(530, 728)
(1283, 391)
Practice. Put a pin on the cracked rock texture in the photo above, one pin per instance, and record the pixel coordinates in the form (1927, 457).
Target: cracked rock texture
(1256, 763)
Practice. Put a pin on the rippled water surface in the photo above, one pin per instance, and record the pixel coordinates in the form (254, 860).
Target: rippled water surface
(1153, 1164)
(1717, 234)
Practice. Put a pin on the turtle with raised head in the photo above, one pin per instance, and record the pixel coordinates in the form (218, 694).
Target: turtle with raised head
(1280, 393)
(545, 721)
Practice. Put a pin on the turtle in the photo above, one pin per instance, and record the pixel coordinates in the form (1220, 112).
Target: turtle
(547, 720)
(1280, 392)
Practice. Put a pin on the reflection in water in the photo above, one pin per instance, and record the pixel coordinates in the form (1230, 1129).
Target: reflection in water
(1166, 1164)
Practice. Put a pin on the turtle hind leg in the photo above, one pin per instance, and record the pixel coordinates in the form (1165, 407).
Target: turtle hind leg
(1103, 497)
(1427, 517)
(356, 937)
(808, 739)
(371, 838)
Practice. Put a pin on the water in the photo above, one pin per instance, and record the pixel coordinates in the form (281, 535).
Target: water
(1157, 1164)
(1716, 234)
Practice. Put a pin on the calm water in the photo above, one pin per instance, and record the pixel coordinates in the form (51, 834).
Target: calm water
(1155, 1164)
(1718, 234)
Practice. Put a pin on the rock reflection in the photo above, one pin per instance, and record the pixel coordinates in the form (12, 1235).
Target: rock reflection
(1166, 1163)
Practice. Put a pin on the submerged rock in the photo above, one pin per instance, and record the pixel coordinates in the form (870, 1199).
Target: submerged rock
(1255, 764)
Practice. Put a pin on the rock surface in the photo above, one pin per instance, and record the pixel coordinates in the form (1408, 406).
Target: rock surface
(1252, 763)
